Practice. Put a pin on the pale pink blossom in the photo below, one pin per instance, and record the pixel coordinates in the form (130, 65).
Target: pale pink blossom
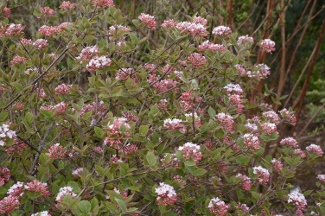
(47, 12)
(321, 177)
(206, 45)
(88, 53)
(6, 12)
(130, 149)
(191, 150)
(14, 30)
(297, 199)
(289, 141)
(37, 187)
(246, 183)
(226, 121)
(174, 124)
(221, 31)
(277, 165)
(315, 149)
(40, 44)
(218, 207)
(299, 152)
(200, 20)
(56, 152)
(63, 192)
(267, 45)
(26, 41)
(148, 20)
(166, 194)
(18, 60)
(197, 59)
(103, 3)
(271, 116)
(193, 29)
(77, 172)
(245, 39)
(242, 207)
(8, 204)
(251, 141)
(263, 175)
(42, 213)
(4, 175)
(60, 108)
(67, 5)
(169, 23)
(62, 89)
(288, 116)
(98, 63)
(269, 128)
(16, 190)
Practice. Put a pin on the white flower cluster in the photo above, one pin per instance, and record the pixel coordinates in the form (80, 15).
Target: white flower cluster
(193, 146)
(165, 189)
(296, 198)
(215, 202)
(64, 191)
(5, 132)
(230, 88)
(251, 127)
(98, 62)
(260, 169)
(78, 171)
(194, 29)
(221, 30)
(43, 213)
(172, 121)
(13, 189)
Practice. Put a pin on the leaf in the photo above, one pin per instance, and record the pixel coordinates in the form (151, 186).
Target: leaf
(288, 161)
(211, 112)
(17, 86)
(151, 158)
(199, 172)
(243, 160)
(3, 115)
(121, 204)
(84, 206)
(143, 130)
(99, 132)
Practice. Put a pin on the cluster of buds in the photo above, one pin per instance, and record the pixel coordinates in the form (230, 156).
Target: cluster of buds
(11, 30)
(148, 20)
(245, 39)
(191, 150)
(276, 165)
(269, 128)
(56, 152)
(64, 191)
(288, 116)
(16, 190)
(162, 105)
(206, 45)
(170, 23)
(188, 101)
(263, 174)
(234, 92)
(246, 183)
(124, 74)
(62, 89)
(67, 5)
(241, 70)
(40, 44)
(166, 194)
(77, 172)
(50, 31)
(193, 117)
(218, 207)
(197, 59)
(251, 141)
(242, 207)
(315, 149)
(226, 121)
(9, 204)
(271, 116)
(221, 31)
(117, 132)
(17, 60)
(46, 12)
(321, 177)
(174, 124)
(98, 63)
(130, 149)
(267, 45)
(96, 108)
(6, 12)
(38, 187)
(114, 32)
(260, 71)
(192, 29)
(4, 175)
(164, 85)
(299, 152)
(130, 116)
(103, 3)
(6, 133)
(290, 142)
(297, 199)
(87, 54)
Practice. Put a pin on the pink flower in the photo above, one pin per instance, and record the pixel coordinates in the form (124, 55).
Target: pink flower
(67, 5)
(56, 152)
(321, 177)
(6, 12)
(251, 141)
(38, 187)
(26, 41)
(8, 204)
(289, 141)
(130, 149)
(267, 45)
(60, 108)
(197, 59)
(299, 152)
(40, 44)
(43, 213)
(206, 45)
(200, 20)
(16, 190)
(88, 53)
(226, 121)
(166, 194)
(174, 124)
(169, 23)
(240, 69)
(233, 89)
(277, 165)
(242, 207)
(115, 135)
(218, 207)
(18, 60)
(191, 150)
(77, 172)
(14, 30)
(47, 12)
(4, 175)
(62, 89)
(288, 116)
(103, 3)
(193, 29)
(315, 149)
(221, 31)
(246, 183)
(64, 191)
(98, 63)
(269, 128)
(148, 20)
(245, 39)
(271, 116)
(297, 199)
(263, 174)
(48, 30)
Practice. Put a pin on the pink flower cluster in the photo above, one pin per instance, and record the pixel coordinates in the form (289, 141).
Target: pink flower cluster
(17, 148)
(221, 31)
(234, 92)
(197, 59)
(148, 20)
(62, 89)
(115, 134)
(56, 152)
(11, 30)
(169, 23)
(125, 74)
(46, 12)
(297, 199)
(246, 183)
(67, 5)
(98, 63)
(4, 175)
(166, 194)
(17, 60)
(63, 192)
(188, 100)
(269, 128)
(267, 45)
(315, 149)
(16, 190)
(218, 207)
(130, 149)
(40, 44)
(299, 152)
(6, 12)
(226, 121)
(77, 172)
(88, 53)
(277, 165)
(242, 207)
(103, 3)
(130, 116)
(263, 174)
(206, 45)
(271, 116)
(245, 39)
(288, 116)
(321, 178)
(251, 141)
(174, 124)
(9, 204)
(114, 32)
(50, 31)
(290, 142)
(192, 29)
(96, 108)
(191, 150)
(200, 20)
(38, 187)
(164, 85)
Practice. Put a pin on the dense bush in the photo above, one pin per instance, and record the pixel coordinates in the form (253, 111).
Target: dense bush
(97, 118)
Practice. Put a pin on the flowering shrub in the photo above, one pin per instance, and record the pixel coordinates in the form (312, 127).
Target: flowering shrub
(166, 122)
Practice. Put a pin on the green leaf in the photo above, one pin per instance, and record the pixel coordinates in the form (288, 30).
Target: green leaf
(288, 161)
(199, 172)
(84, 206)
(99, 132)
(243, 160)
(17, 86)
(121, 204)
(3, 115)
(143, 130)
(211, 112)
(151, 158)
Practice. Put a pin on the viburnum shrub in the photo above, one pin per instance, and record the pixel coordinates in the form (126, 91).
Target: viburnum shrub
(158, 127)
